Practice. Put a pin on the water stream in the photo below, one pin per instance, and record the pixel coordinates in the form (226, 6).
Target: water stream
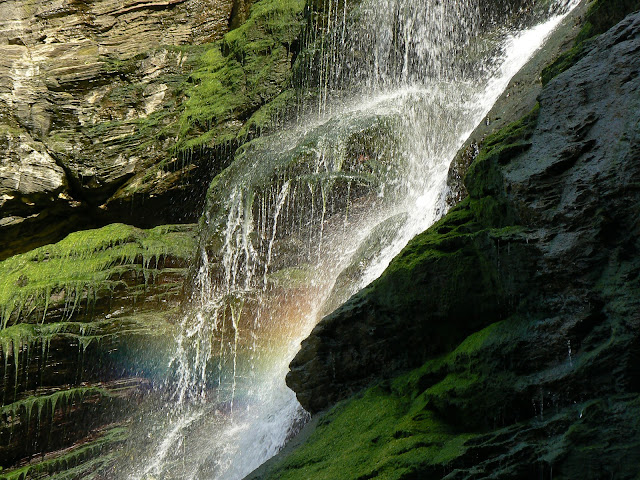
(307, 216)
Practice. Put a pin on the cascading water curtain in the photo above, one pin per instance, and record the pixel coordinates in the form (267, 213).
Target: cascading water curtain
(306, 216)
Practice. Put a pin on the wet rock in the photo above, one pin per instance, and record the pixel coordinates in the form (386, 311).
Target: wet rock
(85, 326)
(51, 419)
(298, 188)
(547, 235)
(88, 94)
(348, 281)
(517, 100)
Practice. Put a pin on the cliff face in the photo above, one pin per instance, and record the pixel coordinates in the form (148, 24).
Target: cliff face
(120, 110)
(90, 96)
(124, 111)
(112, 111)
(549, 189)
(523, 301)
(83, 324)
(86, 90)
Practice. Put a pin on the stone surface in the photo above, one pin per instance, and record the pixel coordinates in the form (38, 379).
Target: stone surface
(139, 103)
(86, 90)
(84, 330)
(517, 100)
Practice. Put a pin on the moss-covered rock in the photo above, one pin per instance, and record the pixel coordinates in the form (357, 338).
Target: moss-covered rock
(297, 185)
(242, 82)
(601, 16)
(91, 459)
(86, 325)
(521, 305)
(390, 431)
(385, 432)
(87, 294)
(73, 277)
(348, 281)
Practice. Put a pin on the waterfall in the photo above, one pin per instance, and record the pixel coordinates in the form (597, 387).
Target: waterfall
(305, 217)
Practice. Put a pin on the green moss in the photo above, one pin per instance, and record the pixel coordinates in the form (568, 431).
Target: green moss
(387, 432)
(395, 438)
(601, 16)
(483, 178)
(84, 266)
(268, 115)
(241, 74)
(294, 277)
(27, 335)
(55, 401)
(84, 459)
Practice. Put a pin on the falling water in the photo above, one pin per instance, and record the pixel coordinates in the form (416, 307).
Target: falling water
(305, 217)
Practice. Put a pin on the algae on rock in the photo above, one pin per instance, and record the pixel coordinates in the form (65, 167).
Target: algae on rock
(240, 75)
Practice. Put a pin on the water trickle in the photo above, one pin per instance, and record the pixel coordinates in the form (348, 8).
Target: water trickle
(400, 84)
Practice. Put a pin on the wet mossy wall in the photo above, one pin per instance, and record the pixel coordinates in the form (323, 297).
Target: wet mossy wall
(243, 81)
(600, 17)
(67, 293)
(74, 273)
(78, 317)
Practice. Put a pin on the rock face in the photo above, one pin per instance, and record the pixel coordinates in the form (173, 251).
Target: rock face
(112, 111)
(86, 89)
(551, 197)
(541, 262)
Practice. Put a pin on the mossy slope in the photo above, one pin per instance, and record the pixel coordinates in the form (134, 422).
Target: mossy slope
(601, 16)
(391, 432)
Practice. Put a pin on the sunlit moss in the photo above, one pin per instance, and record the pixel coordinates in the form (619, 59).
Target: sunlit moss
(387, 432)
(84, 266)
(245, 71)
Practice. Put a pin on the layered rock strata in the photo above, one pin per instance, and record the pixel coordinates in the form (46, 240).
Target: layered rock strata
(99, 100)
(84, 333)
(86, 89)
